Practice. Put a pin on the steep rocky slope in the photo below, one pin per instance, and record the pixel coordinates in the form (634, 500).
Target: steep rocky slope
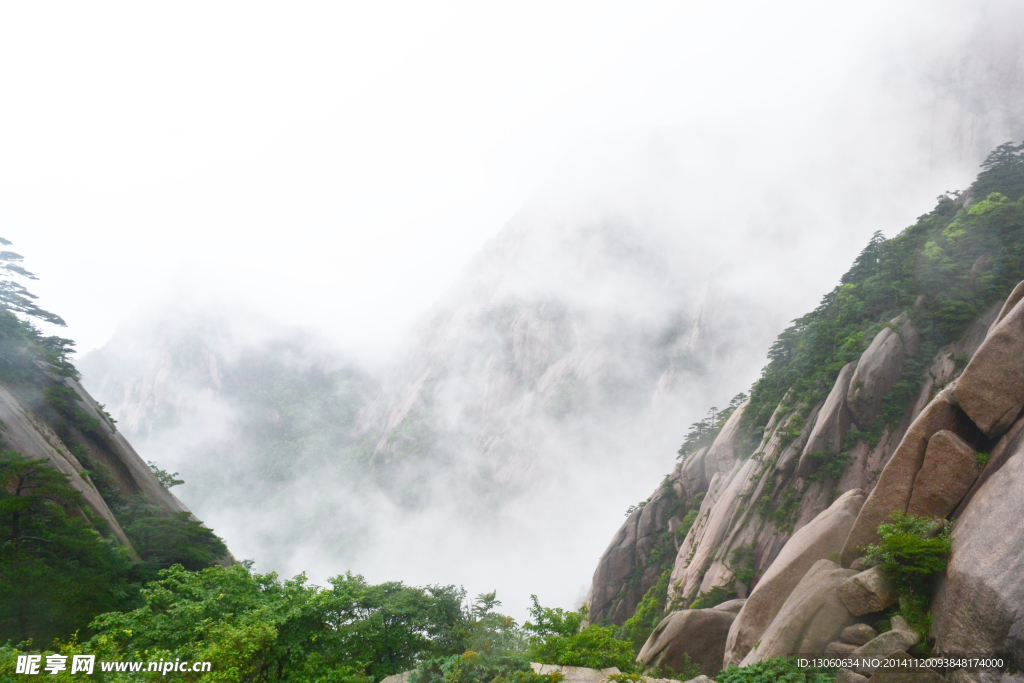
(879, 401)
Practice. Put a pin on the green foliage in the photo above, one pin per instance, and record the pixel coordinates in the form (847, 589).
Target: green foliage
(13, 296)
(1003, 171)
(648, 614)
(715, 596)
(480, 667)
(743, 561)
(257, 627)
(557, 637)
(689, 671)
(66, 402)
(982, 459)
(703, 433)
(163, 540)
(911, 552)
(56, 572)
(944, 270)
(168, 480)
(777, 670)
(783, 513)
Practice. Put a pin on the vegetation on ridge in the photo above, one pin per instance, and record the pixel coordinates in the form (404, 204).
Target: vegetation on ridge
(911, 552)
(944, 270)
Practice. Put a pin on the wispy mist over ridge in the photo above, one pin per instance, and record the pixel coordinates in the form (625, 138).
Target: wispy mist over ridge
(641, 284)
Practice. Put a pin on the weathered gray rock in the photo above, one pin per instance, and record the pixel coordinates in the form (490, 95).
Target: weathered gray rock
(399, 678)
(1011, 302)
(811, 617)
(901, 668)
(698, 633)
(22, 432)
(830, 426)
(861, 564)
(979, 604)
(858, 634)
(950, 468)
(691, 474)
(579, 674)
(896, 483)
(837, 647)
(731, 606)
(611, 596)
(848, 676)
(815, 541)
(887, 643)
(991, 388)
(879, 368)
(722, 456)
(612, 569)
(866, 592)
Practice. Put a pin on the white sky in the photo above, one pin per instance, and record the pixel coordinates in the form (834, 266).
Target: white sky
(339, 162)
(341, 159)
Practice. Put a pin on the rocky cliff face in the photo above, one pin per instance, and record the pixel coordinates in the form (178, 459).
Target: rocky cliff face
(782, 520)
(31, 427)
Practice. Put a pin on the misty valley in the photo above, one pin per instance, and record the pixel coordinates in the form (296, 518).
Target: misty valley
(858, 503)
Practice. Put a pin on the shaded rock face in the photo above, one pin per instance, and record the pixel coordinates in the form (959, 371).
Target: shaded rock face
(866, 592)
(831, 425)
(927, 463)
(699, 634)
(979, 604)
(879, 368)
(811, 618)
(950, 468)
(814, 542)
(626, 571)
(991, 388)
(858, 634)
(895, 485)
(26, 430)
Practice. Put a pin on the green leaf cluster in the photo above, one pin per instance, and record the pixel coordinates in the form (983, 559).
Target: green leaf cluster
(945, 270)
(56, 571)
(257, 627)
(647, 615)
(777, 670)
(559, 637)
(911, 552)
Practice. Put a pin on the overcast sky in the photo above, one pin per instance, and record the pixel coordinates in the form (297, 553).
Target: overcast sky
(339, 162)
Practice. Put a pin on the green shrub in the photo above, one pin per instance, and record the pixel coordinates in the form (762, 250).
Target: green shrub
(557, 638)
(778, 670)
(480, 667)
(651, 610)
(743, 561)
(911, 553)
(715, 596)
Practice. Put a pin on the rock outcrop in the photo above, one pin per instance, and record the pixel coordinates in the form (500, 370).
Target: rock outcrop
(896, 483)
(626, 571)
(879, 368)
(779, 553)
(866, 592)
(697, 635)
(42, 435)
(831, 425)
(811, 618)
(950, 468)
(979, 604)
(815, 541)
(991, 388)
